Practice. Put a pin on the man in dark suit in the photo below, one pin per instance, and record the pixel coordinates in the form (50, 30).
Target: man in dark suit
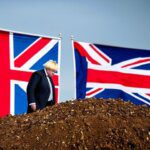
(40, 89)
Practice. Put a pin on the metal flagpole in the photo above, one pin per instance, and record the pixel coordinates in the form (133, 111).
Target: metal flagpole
(74, 65)
(59, 64)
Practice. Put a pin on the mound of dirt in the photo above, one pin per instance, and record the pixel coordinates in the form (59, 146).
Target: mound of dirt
(80, 124)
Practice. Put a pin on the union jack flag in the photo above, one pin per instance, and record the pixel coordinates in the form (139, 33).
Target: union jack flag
(21, 55)
(103, 71)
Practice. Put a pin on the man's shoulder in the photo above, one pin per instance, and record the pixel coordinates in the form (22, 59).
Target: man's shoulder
(39, 72)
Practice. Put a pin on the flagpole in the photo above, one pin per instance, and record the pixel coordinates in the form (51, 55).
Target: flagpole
(59, 64)
(74, 65)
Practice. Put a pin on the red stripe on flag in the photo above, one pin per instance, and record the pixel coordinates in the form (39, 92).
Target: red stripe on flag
(136, 62)
(56, 95)
(89, 93)
(4, 74)
(84, 53)
(20, 75)
(126, 79)
(98, 52)
(31, 51)
(55, 79)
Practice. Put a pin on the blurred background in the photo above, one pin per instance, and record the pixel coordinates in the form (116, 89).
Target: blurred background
(123, 23)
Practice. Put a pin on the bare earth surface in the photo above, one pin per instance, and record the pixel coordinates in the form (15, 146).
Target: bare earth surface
(81, 124)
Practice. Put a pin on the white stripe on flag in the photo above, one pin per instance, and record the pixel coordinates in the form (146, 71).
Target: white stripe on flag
(123, 70)
(116, 86)
(93, 54)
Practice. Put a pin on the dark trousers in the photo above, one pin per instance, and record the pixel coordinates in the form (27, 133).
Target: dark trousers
(50, 103)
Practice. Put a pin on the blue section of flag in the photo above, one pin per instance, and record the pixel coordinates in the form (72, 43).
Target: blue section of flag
(119, 54)
(81, 73)
(20, 101)
(21, 42)
(144, 67)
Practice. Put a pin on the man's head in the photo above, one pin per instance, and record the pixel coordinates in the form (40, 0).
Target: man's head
(51, 67)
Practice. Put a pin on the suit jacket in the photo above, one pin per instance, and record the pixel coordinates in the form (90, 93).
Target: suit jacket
(38, 89)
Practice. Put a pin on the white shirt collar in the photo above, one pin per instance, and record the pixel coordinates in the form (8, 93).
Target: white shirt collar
(45, 72)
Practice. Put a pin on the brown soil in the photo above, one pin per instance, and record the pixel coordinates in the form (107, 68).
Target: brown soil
(81, 124)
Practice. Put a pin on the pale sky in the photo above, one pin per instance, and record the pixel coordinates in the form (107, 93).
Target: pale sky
(123, 23)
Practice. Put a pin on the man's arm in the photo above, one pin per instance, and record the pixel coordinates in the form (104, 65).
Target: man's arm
(31, 88)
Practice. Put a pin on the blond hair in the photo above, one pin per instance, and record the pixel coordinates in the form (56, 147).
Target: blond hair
(52, 65)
